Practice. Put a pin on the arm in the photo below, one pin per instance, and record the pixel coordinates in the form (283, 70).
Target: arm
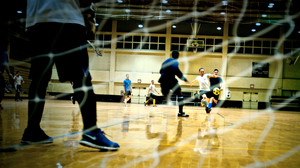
(124, 87)
(179, 74)
(194, 81)
(149, 88)
(8, 71)
(156, 91)
(211, 76)
(221, 84)
(22, 80)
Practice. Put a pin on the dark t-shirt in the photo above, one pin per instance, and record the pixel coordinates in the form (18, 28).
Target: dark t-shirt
(3, 61)
(215, 82)
(169, 70)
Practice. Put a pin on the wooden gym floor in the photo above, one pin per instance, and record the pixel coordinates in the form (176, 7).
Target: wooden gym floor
(154, 137)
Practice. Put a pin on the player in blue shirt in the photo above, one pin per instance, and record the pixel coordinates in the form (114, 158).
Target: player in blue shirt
(127, 89)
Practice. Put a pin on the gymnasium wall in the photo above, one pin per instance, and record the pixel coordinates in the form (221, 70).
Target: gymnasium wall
(108, 71)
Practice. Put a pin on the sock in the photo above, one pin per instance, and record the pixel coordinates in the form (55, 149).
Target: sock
(181, 109)
(204, 102)
(180, 100)
(153, 102)
(209, 105)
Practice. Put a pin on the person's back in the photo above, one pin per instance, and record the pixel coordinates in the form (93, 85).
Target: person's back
(168, 82)
(57, 11)
(168, 70)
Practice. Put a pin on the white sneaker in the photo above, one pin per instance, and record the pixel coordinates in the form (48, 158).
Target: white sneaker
(125, 102)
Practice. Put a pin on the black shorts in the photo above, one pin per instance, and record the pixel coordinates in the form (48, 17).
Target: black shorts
(216, 97)
(127, 93)
(19, 88)
(201, 92)
(64, 45)
(166, 87)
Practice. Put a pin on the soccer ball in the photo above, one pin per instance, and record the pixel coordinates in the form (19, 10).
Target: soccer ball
(216, 91)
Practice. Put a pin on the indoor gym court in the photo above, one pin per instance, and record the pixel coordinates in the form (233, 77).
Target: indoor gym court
(254, 44)
(155, 137)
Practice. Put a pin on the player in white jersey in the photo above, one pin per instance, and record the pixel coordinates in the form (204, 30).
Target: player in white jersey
(151, 93)
(18, 85)
(204, 88)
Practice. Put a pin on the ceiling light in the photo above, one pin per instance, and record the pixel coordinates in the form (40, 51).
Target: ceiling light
(168, 11)
(96, 24)
(19, 12)
(120, 1)
(164, 1)
(299, 31)
(271, 5)
(225, 2)
(222, 13)
(219, 28)
(140, 25)
(174, 26)
(264, 15)
(257, 23)
(127, 10)
(253, 30)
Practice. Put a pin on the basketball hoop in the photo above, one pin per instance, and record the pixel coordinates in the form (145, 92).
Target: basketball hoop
(195, 46)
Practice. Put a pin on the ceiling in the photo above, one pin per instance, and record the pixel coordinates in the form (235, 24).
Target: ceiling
(205, 11)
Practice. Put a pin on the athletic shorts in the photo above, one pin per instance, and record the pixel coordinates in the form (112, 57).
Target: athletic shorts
(19, 88)
(64, 45)
(166, 87)
(201, 92)
(127, 93)
(216, 97)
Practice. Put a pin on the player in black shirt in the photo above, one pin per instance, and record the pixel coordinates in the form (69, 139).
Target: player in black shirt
(215, 82)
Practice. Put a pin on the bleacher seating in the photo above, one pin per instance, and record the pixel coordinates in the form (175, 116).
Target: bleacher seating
(283, 103)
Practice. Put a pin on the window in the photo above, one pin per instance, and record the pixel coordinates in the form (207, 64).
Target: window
(203, 44)
(140, 42)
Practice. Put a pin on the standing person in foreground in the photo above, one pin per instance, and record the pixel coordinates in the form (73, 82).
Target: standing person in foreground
(18, 85)
(3, 67)
(151, 93)
(57, 35)
(167, 80)
(5, 36)
(127, 89)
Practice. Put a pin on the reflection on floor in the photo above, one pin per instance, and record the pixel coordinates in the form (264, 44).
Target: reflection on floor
(154, 137)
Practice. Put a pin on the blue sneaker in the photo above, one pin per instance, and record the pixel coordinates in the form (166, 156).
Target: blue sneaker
(98, 140)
